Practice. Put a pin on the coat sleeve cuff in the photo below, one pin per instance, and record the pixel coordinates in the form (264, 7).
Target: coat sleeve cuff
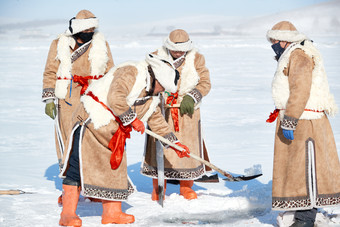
(195, 95)
(289, 123)
(127, 117)
(171, 137)
(48, 93)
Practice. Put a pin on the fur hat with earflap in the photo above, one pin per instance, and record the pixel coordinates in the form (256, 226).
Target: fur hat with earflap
(164, 72)
(83, 20)
(178, 40)
(285, 31)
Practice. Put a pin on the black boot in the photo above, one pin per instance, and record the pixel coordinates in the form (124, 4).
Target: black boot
(299, 223)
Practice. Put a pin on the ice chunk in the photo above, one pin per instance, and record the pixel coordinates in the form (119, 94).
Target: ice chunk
(255, 170)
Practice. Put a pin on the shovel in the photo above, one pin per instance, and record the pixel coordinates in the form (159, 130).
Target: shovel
(228, 176)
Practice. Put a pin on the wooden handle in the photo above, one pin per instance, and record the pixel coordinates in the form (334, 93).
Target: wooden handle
(173, 106)
(10, 192)
(147, 131)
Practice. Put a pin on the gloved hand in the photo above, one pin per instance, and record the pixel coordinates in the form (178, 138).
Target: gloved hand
(289, 134)
(187, 105)
(182, 154)
(50, 110)
(138, 126)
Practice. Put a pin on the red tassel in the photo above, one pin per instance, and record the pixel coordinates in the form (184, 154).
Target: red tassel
(117, 144)
(273, 116)
(172, 99)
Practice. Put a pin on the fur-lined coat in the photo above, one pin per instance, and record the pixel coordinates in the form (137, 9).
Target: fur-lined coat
(124, 90)
(306, 170)
(194, 81)
(65, 60)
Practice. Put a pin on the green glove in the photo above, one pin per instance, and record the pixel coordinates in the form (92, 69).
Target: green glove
(187, 105)
(50, 110)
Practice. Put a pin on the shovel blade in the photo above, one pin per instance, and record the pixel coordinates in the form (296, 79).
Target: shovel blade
(242, 178)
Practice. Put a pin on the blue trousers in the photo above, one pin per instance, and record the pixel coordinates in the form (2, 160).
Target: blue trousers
(306, 215)
(73, 172)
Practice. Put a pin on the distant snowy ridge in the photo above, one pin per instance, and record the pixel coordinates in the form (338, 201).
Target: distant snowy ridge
(320, 19)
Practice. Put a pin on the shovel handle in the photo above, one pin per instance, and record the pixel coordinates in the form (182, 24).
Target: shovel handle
(147, 131)
(10, 192)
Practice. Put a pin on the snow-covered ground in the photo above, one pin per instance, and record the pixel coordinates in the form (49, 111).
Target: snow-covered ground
(233, 113)
(233, 116)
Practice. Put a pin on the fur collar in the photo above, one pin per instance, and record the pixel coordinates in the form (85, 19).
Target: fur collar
(98, 58)
(320, 97)
(189, 76)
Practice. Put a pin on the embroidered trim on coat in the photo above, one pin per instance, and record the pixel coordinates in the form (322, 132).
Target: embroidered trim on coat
(171, 137)
(328, 200)
(196, 95)
(289, 123)
(107, 193)
(48, 93)
(305, 202)
(291, 203)
(170, 173)
(128, 117)
(80, 51)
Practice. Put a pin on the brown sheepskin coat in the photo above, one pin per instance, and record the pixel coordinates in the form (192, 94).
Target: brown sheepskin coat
(190, 133)
(306, 170)
(98, 180)
(65, 107)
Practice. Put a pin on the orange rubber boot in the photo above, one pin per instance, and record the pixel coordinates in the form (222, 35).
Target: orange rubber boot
(154, 194)
(60, 200)
(185, 189)
(70, 197)
(112, 213)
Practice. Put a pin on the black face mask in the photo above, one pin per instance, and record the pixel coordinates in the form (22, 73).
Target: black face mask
(278, 50)
(85, 36)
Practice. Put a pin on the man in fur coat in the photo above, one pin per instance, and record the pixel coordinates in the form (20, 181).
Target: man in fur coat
(182, 114)
(95, 161)
(306, 172)
(76, 57)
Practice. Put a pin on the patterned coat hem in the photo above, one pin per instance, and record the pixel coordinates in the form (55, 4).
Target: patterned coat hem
(174, 174)
(304, 202)
(107, 193)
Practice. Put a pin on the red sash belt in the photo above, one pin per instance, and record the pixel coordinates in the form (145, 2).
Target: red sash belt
(83, 81)
(275, 114)
(118, 140)
(172, 99)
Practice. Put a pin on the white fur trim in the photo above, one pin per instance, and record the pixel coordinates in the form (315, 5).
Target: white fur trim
(100, 88)
(285, 35)
(187, 46)
(320, 97)
(164, 73)
(65, 66)
(98, 57)
(79, 25)
(189, 75)
(152, 108)
(140, 82)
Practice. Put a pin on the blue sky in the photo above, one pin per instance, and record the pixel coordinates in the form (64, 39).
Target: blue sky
(132, 11)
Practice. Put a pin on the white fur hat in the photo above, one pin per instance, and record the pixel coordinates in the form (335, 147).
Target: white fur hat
(285, 31)
(83, 20)
(178, 40)
(164, 72)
